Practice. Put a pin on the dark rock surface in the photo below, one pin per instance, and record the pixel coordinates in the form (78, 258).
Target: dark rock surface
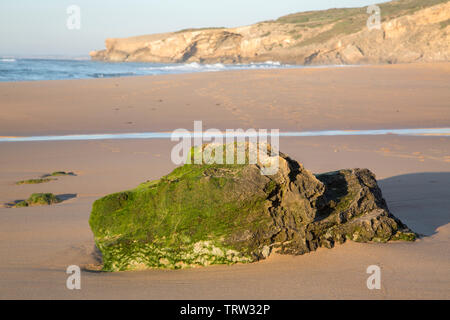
(224, 214)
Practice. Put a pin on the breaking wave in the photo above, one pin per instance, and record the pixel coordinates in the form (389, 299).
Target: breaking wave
(8, 60)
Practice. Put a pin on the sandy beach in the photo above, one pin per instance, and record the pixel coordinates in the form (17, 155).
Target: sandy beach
(369, 97)
(38, 243)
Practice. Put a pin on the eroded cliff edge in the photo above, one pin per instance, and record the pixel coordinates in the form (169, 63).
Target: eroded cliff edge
(411, 31)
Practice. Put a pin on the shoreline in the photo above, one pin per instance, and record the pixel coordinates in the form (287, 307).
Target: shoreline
(415, 132)
(271, 63)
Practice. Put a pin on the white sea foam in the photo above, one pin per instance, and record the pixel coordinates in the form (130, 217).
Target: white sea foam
(273, 63)
(199, 67)
(7, 60)
(195, 66)
(186, 67)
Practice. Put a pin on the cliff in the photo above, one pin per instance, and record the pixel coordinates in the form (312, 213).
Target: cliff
(411, 31)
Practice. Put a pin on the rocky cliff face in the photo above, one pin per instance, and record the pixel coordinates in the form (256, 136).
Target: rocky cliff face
(411, 31)
(224, 214)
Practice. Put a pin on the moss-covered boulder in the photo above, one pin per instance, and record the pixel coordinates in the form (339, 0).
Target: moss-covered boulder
(58, 174)
(34, 181)
(39, 199)
(224, 214)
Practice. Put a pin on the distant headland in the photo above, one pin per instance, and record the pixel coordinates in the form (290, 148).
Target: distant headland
(408, 31)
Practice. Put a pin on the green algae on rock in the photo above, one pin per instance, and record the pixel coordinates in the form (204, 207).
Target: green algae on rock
(34, 181)
(204, 214)
(46, 178)
(39, 199)
(58, 174)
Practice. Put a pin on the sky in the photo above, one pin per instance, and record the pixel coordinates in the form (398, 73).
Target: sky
(39, 27)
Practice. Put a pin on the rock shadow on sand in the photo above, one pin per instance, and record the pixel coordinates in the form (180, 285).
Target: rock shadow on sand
(421, 200)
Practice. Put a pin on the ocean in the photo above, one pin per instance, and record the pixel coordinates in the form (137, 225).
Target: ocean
(21, 69)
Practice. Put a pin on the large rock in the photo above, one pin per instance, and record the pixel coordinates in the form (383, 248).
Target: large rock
(224, 214)
(411, 31)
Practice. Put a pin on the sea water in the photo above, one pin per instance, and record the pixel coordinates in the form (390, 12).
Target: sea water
(32, 69)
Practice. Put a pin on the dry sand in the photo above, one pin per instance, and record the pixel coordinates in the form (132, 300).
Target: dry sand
(38, 243)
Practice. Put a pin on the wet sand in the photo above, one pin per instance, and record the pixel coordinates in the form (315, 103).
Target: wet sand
(38, 243)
